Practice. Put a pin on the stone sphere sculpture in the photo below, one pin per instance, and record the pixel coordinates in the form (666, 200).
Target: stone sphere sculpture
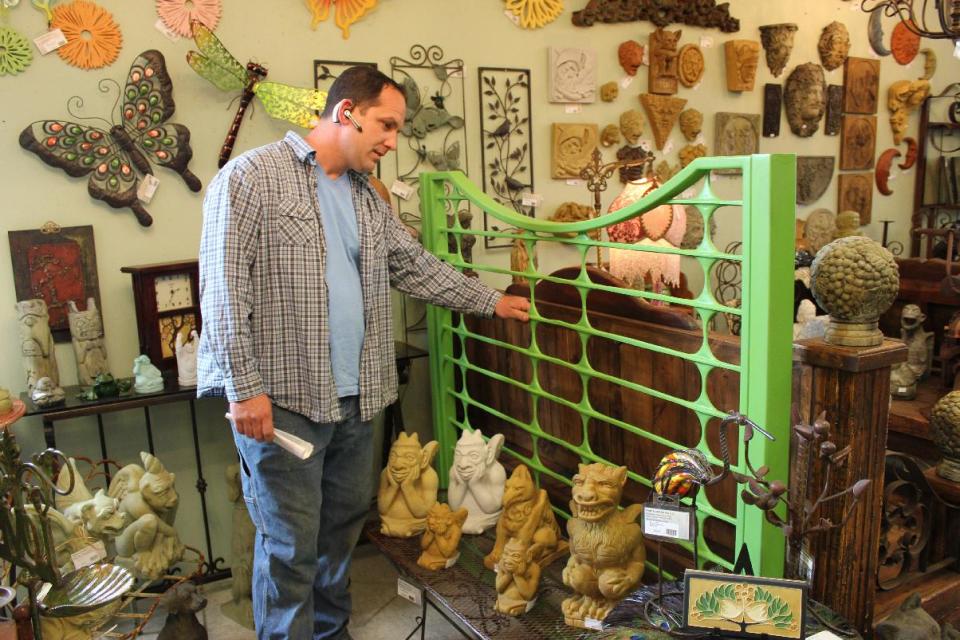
(855, 280)
(945, 427)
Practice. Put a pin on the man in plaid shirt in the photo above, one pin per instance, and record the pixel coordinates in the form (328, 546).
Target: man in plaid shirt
(297, 257)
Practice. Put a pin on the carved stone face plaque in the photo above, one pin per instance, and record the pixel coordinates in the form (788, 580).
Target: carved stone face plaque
(857, 142)
(834, 110)
(691, 122)
(690, 65)
(861, 82)
(814, 174)
(855, 193)
(742, 58)
(904, 43)
(572, 146)
(805, 98)
(690, 153)
(777, 41)
(573, 75)
(610, 135)
(904, 96)
(631, 125)
(630, 54)
(820, 229)
(662, 112)
(772, 105)
(609, 91)
(737, 134)
(834, 45)
(664, 65)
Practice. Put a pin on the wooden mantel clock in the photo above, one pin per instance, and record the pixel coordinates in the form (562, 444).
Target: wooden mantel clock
(167, 301)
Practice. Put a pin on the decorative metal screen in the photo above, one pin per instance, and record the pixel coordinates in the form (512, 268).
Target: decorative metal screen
(561, 428)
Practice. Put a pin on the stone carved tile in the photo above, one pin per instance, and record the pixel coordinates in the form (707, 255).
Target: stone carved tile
(662, 112)
(857, 142)
(573, 75)
(772, 106)
(777, 40)
(742, 58)
(664, 62)
(834, 110)
(691, 65)
(855, 193)
(814, 175)
(571, 148)
(737, 134)
(861, 81)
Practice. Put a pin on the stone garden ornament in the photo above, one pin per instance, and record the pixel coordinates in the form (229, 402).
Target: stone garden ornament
(86, 333)
(834, 45)
(573, 75)
(242, 539)
(777, 41)
(36, 342)
(906, 375)
(442, 536)
(477, 480)
(98, 514)
(814, 175)
(805, 99)
(742, 58)
(187, 359)
(147, 378)
(518, 573)
(408, 487)
(945, 428)
(46, 393)
(737, 134)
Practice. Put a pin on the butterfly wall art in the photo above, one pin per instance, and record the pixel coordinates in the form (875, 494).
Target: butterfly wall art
(113, 157)
(296, 105)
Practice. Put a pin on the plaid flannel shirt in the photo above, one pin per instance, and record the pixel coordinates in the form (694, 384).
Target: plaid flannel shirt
(263, 294)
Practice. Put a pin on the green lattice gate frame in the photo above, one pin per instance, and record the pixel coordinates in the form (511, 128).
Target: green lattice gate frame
(767, 208)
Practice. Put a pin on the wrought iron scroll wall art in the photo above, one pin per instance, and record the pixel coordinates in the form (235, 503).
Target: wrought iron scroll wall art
(506, 151)
(433, 135)
(326, 71)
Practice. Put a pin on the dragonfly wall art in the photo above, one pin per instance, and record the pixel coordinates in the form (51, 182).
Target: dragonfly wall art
(296, 105)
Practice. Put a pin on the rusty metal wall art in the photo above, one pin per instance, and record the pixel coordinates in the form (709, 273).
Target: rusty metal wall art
(696, 13)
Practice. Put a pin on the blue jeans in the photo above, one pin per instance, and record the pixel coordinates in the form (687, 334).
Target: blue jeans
(308, 515)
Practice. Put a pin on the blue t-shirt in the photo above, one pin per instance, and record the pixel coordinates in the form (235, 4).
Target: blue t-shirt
(342, 272)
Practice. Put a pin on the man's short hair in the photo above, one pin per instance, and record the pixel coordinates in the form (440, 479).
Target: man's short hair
(361, 85)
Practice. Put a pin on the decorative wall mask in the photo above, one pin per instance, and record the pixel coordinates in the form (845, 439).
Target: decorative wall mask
(875, 32)
(805, 99)
(573, 212)
(533, 14)
(691, 122)
(861, 82)
(93, 38)
(86, 331)
(662, 112)
(110, 157)
(573, 75)
(691, 152)
(403, 509)
(742, 58)
(814, 174)
(777, 41)
(610, 135)
(631, 125)
(179, 14)
(820, 229)
(347, 12)
(573, 144)
(36, 343)
(834, 45)
(855, 193)
(506, 150)
(772, 106)
(882, 173)
(691, 65)
(834, 110)
(663, 172)
(703, 13)
(737, 134)
(929, 63)
(912, 150)
(904, 43)
(903, 97)
(663, 70)
(609, 91)
(857, 142)
(630, 54)
(848, 222)
(15, 52)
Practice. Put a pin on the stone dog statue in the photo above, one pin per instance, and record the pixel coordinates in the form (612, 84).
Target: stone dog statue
(476, 480)
(408, 487)
(98, 514)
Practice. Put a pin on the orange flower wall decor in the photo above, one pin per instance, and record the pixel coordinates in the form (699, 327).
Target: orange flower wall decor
(178, 14)
(93, 38)
(346, 12)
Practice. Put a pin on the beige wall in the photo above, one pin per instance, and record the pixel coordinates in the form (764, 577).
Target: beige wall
(278, 35)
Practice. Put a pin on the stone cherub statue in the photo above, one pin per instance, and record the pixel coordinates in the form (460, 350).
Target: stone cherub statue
(408, 487)
(147, 378)
(606, 545)
(187, 359)
(518, 574)
(520, 496)
(36, 342)
(149, 545)
(441, 537)
(904, 377)
(86, 332)
(98, 514)
(477, 479)
(240, 607)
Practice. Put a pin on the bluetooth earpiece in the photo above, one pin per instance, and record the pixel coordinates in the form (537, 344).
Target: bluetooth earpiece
(343, 109)
(349, 116)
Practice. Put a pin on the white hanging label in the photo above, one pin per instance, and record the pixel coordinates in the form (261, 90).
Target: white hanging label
(170, 34)
(572, 108)
(668, 147)
(575, 183)
(50, 41)
(626, 81)
(147, 187)
(409, 592)
(666, 523)
(706, 42)
(593, 623)
(401, 189)
(531, 200)
(515, 19)
(645, 145)
(88, 555)
(452, 560)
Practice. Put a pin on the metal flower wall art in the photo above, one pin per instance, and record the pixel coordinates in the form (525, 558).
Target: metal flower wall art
(346, 12)
(15, 53)
(112, 157)
(93, 38)
(178, 15)
(532, 14)
(507, 152)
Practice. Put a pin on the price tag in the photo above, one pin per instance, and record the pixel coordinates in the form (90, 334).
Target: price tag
(901, 389)
(706, 42)
(453, 560)
(645, 145)
(88, 555)
(626, 81)
(668, 147)
(531, 200)
(409, 592)
(700, 139)
(575, 183)
(515, 19)
(50, 41)
(170, 34)
(401, 189)
(893, 175)
(667, 522)
(696, 87)
(592, 623)
(572, 108)
(147, 187)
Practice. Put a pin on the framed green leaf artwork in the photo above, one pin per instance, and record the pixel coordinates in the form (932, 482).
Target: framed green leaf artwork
(744, 606)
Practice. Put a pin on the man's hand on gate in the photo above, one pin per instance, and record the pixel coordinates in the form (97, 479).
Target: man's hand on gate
(513, 307)
(253, 417)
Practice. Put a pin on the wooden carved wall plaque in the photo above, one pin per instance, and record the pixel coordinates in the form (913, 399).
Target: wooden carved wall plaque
(772, 106)
(834, 110)
(855, 193)
(861, 81)
(858, 142)
(742, 58)
(691, 65)
(662, 112)
(664, 62)
(572, 146)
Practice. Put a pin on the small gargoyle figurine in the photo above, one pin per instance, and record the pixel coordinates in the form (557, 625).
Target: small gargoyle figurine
(99, 514)
(441, 537)
(518, 575)
(408, 487)
(607, 552)
(520, 496)
(477, 479)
